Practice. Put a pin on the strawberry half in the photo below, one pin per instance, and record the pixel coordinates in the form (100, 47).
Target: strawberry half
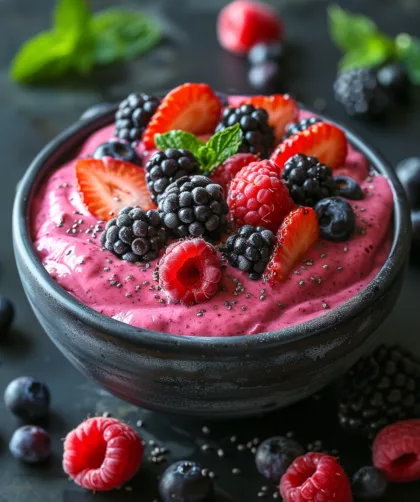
(190, 107)
(322, 140)
(281, 109)
(108, 185)
(296, 235)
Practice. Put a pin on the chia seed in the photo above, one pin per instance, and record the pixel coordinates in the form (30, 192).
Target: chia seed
(323, 255)
(262, 298)
(128, 295)
(138, 287)
(129, 278)
(247, 296)
(340, 268)
(325, 305)
(301, 283)
(108, 260)
(243, 308)
(325, 266)
(145, 283)
(309, 262)
(280, 305)
(119, 285)
(297, 272)
(346, 249)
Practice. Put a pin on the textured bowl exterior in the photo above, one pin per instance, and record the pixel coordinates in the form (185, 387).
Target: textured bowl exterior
(209, 377)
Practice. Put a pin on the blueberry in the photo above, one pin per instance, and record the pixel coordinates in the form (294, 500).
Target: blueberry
(27, 398)
(415, 221)
(369, 484)
(30, 444)
(394, 78)
(184, 482)
(275, 455)
(264, 52)
(7, 314)
(118, 150)
(348, 188)
(336, 218)
(408, 172)
(265, 76)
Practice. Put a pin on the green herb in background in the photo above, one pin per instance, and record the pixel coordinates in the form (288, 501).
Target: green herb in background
(79, 40)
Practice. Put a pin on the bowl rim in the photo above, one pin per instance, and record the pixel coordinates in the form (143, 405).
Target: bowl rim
(141, 338)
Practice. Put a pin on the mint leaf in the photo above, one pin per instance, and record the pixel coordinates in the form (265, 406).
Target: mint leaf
(72, 17)
(179, 139)
(376, 51)
(206, 157)
(408, 52)
(225, 143)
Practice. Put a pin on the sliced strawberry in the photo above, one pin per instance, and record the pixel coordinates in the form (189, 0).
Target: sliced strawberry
(108, 185)
(190, 107)
(322, 140)
(296, 235)
(281, 109)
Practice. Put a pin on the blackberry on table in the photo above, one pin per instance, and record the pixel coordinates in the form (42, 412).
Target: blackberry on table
(307, 180)
(257, 133)
(296, 127)
(133, 115)
(135, 235)
(250, 250)
(166, 167)
(193, 206)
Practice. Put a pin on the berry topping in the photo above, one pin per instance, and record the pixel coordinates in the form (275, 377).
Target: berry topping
(225, 173)
(258, 137)
(258, 197)
(300, 126)
(315, 477)
(380, 389)
(27, 398)
(297, 234)
(307, 180)
(396, 451)
(166, 167)
(408, 172)
(135, 235)
(7, 314)
(250, 249)
(265, 77)
(133, 115)
(30, 444)
(193, 206)
(348, 188)
(190, 107)
(322, 140)
(108, 185)
(394, 79)
(118, 150)
(189, 271)
(275, 455)
(102, 453)
(243, 24)
(369, 484)
(337, 221)
(184, 481)
(265, 52)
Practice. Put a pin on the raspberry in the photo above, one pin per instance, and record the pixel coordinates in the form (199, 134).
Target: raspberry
(396, 451)
(102, 453)
(225, 173)
(258, 197)
(189, 271)
(315, 477)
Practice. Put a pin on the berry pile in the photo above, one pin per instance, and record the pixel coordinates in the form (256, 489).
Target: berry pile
(302, 125)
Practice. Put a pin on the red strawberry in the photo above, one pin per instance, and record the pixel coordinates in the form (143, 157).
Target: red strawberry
(242, 24)
(322, 140)
(107, 185)
(190, 107)
(297, 234)
(281, 109)
(225, 173)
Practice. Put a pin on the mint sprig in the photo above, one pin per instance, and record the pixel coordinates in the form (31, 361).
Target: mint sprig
(210, 155)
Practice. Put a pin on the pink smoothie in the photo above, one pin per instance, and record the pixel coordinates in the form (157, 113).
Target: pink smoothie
(66, 238)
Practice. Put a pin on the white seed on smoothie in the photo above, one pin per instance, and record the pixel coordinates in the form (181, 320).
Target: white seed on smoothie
(243, 308)
(325, 305)
(262, 298)
(248, 296)
(323, 255)
(280, 305)
(301, 283)
(309, 262)
(340, 268)
(146, 283)
(297, 272)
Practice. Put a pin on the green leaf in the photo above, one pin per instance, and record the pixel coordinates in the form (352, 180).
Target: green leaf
(206, 157)
(376, 51)
(72, 17)
(225, 143)
(122, 35)
(408, 52)
(179, 139)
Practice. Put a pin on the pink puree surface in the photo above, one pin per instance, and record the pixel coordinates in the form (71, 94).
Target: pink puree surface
(330, 274)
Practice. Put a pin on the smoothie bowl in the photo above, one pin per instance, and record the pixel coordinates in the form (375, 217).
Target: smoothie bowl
(221, 273)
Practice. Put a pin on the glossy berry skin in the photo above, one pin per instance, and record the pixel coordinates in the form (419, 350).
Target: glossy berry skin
(348, 188)
(275, 455)
(265, 77)
(408, 172)
(27, 398)
(184, 482)
(369, 484)
(265, 52)
(302, 125)
(394, 79)
(337, 221)
(7, 314)
(30, 444)
(118, 150)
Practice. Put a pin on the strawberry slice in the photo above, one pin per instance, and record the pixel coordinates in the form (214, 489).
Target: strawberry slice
(281, 109)
(322, 140)
(108, 185)
(190, 107)
(296, 235)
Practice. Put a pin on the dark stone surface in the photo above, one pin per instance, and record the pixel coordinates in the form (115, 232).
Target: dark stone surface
(32, 116)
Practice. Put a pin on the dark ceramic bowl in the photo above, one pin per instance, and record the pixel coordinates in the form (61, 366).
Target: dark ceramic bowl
(222, 377)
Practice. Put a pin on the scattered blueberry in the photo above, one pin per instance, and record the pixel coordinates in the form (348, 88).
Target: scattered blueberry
(369, 484)
(348, 188)
(275, 455)
(265, 76)
(337, 221)
(119, 150)
(30, 444)
(27, 398)
(7, 314)
(96, 110)
(415, 221)
(394, 79)
(184, 482)
(264, 52)
(408, 171)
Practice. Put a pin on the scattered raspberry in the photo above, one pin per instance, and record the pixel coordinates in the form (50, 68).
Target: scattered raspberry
(258, 197)
(396, 451)
(102, 454)
(225, 173)
(242, 24)
(189, 271)
(315, 477)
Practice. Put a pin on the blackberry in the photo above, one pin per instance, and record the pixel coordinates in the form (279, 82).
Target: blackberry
(166, 167)
(258, 134)
(193, 206)
(379, 390)
(361, 94)
(133, 115)
(307, 180)
(393, 77)
(296, 127)
(250, 250)
(135, 235)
